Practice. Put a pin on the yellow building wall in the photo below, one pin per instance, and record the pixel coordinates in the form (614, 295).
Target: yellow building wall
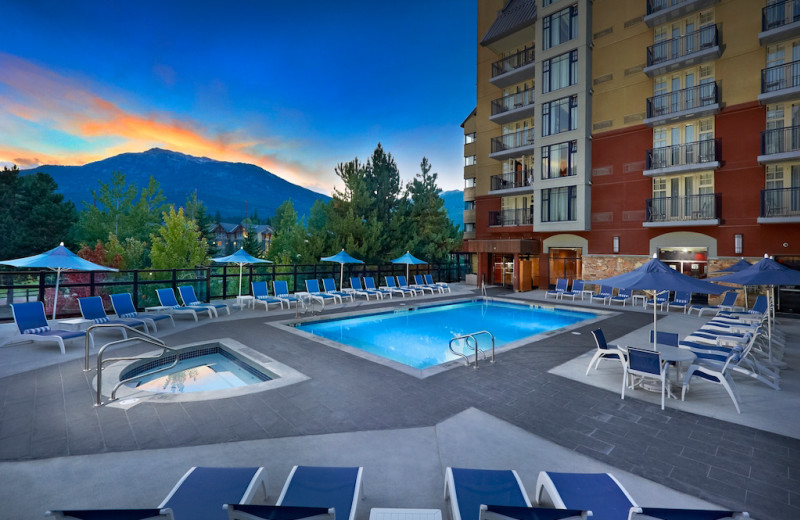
(738, 71)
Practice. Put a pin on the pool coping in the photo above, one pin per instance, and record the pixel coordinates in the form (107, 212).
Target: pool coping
(423, 373)
(128, 397)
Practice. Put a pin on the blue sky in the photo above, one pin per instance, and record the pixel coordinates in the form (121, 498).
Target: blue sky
(295, 87)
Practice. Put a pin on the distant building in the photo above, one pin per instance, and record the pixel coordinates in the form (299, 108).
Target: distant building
(668, 127)
(229, 237)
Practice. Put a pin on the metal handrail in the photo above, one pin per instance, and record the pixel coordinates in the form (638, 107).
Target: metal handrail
(467, 338)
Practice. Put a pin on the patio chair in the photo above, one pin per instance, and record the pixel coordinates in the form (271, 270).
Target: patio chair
(92, 309)
(312, 287)
(392, 286)
(577, 290)
(661, 513)
(401, 281)
(198, 495)
(441, 285)
(605, 351)
(357, 289)
(661, 300)
(605, 294)
(561, 288)
(681, 301)
(531, 513)
(261, 295)
(32, 324)
(259, 512)
(124, 308)
(369, 285)
(644, 365)
(167, 299)
(190, 300)
(467, 489)
(281, 290)
(600, 493)
(328, 487)
(728, 300)
(759, 308)
(115, 514)
(712, 368)
(419, 281)
(623, 296)
(329, 284)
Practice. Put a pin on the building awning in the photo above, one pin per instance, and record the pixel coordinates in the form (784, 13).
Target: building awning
(508, 246)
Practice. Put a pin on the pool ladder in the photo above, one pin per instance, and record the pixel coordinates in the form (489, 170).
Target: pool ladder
(472, 337)
(138, 336)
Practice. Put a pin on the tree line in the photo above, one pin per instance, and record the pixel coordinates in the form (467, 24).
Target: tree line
(374, 217)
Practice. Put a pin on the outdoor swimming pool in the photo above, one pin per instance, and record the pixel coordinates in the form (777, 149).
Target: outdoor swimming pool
(419, 337)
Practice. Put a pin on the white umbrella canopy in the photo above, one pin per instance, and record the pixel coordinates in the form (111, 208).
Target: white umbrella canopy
(58, 259)
(241, 257)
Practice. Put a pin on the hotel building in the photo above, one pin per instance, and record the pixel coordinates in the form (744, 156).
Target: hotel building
(607, 131)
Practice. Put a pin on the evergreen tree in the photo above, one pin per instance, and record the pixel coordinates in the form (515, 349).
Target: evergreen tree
(178, 243)
(434, 234)
(196, 210)
(287, 242)
(134, 253)
(251, 243)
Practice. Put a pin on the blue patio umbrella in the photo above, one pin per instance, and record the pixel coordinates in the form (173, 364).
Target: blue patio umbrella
(735, 268)
(58, 259)
(408, 259)
(240, 257)
(342, 258)
(657, 277)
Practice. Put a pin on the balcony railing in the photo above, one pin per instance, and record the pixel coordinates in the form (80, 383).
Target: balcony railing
(653, 6)
(674, 48)
(511, 217)
(779, 14)
(677, 209)
(507, 181)
(681, 100)
(780, 77)
(780, 140)
(512, 101)
(513, 62)
(511, 141)
(698, 152)
(781, 202)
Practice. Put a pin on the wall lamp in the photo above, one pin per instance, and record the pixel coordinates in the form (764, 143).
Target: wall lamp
(615, 245)
(737, 244)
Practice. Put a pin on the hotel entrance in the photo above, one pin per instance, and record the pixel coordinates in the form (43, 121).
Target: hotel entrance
(565, 263)
(503, 270)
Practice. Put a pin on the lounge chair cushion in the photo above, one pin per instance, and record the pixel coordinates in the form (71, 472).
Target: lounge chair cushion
(314, 486)
(473, 488)
(36, 330)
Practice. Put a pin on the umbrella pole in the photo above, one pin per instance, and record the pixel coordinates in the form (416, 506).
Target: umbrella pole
(240, 283)
(341, 278)
(655, 321)
(55, 295)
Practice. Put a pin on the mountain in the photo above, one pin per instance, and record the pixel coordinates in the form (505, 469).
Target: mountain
(222, 186)
(454, 204)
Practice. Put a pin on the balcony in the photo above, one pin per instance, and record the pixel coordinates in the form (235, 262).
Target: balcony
(513, 69)
(780, 144)
(683, 158)
(779, 206)
(690, 210)
(469, 216)
(521, 180)
(511, 217)
(679, 105)
(512, 107)
(779, 21)
(780, 83)
(676, 53)
(662, 11)
(512, 145)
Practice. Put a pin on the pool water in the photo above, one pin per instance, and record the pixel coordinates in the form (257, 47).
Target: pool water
(419, 337)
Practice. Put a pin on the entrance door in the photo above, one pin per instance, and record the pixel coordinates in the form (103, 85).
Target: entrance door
(565, 263)
(503, 270)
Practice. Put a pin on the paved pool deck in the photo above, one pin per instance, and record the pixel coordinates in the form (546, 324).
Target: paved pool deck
(532, 410)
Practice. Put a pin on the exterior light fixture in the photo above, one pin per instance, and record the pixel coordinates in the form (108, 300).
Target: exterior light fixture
(615, 245)
(737, 244)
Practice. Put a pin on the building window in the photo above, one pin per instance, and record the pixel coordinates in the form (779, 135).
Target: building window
(560, 72)
(469, 183)
(545, 3)
(560, 115)
(469, 205)
(560, 160)
(469, 138)
(469, 227)
(559, 204)
(469, 160)
(560, 27)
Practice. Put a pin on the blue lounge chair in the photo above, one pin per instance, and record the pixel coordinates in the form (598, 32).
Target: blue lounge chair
(112, 514)
(392, 286)
(759, 308)
(261, 295)
(600, 493)
(369, 285)
(441, 285)
(32, 324)
(577, 290)
(605, 351)
(167, 299)
(716, 369)
(92, 310)
(281, 290)
(661, 300)
(329, 284)
(312, 287)
(328, 487)
(467, 489)
(401, 282)
(357, 289)
(561, 288)
(259, 512)
(727, 301)
(123, 307)
(190, 300)
(660, 513)
(419, 281)
(531, 513)
(681, 301)
(623, 296)
(605, 294)
(199, 495)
